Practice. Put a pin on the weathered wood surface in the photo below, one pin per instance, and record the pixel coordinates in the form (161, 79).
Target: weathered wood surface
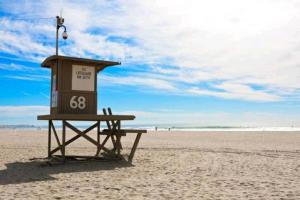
(136, 142)
(85, 117)
(124, 131)
(100, 64)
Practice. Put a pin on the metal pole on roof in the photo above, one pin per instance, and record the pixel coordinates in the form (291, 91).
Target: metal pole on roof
(57, 19)
(59, 23)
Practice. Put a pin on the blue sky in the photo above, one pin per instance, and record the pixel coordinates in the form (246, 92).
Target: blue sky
(233, 62)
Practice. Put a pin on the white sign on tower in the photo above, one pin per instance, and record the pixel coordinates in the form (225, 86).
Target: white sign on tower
(83, 78)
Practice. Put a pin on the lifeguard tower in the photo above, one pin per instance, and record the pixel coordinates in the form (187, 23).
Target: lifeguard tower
(74, 84)
(74, 98)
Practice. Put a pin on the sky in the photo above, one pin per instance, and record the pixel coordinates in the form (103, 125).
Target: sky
(191, 63)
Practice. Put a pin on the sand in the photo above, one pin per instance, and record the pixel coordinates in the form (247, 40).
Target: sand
(167, 165)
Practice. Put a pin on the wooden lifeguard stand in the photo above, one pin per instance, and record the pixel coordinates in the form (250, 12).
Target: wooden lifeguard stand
(74, 98)
(74, 84)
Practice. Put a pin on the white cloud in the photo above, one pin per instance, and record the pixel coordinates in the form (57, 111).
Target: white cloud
(29, 77)
(234, 43)
(22, 114)
(235, 91)
(22, 45)
(15, 67)
(137, 81)
(11, 111)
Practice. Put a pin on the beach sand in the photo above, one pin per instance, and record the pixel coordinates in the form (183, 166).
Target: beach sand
(167, 165)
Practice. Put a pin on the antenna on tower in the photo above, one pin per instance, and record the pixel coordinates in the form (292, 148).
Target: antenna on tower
(61, 11)
(59, 23)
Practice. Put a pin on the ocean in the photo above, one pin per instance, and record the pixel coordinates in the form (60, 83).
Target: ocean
(164, 128)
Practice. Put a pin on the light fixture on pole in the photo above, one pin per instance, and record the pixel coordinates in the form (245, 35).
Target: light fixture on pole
(59, 23)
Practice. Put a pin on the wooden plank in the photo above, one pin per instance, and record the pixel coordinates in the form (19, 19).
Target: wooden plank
(102, 145)
(110, 128)
(78, 158)
(124, 131)
(56, 137)
(49, 138)
(134, 130)
(101, 64)
(107, 132)
(107, 121)
(85, 117)
(104, 142)
(136, 142)
(114, 124)
(98, 138)
(116, 128)
(119, 138)
(63, 139)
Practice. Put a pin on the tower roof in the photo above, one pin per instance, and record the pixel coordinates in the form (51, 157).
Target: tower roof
(100, 64)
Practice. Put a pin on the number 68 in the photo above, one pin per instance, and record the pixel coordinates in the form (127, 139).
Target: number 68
(80, 103)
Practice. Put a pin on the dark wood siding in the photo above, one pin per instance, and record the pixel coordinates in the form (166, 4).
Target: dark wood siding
(63, 71)
(91, 103)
